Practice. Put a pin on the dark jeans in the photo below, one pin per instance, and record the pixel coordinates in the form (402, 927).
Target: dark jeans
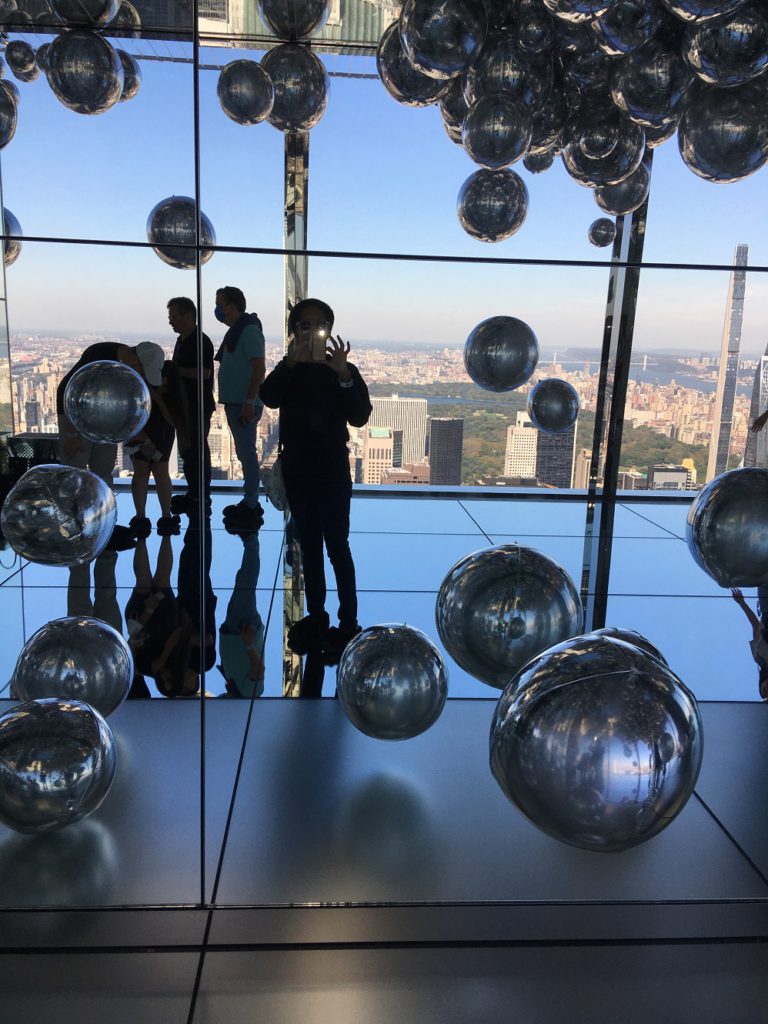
(191, 458)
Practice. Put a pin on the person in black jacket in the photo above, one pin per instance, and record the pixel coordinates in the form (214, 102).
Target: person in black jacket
(318, 393)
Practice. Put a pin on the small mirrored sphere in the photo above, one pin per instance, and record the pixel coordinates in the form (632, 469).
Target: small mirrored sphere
(630, 636)
(537, 163)
(535, 29)
(576, 11)
(602, 232)
(501, 353)
(295, 19)
(28, 76)
(496, 131)
(729, 51)
(172, 227)
(503, 67)
(597, 743)
(126, 24)
(626, 26)
(549, 123)
(649, 85)
(442, 39)
(41, 57)
(76, 657)
(553, 405)
(57, 763)
(8, 112)
(20, 57)
(702, 10)
(91, 13)
(392, 682)
(18, 21)
(655, 137)
(587, 69)
(107, 402)
(727, 529)
(500, 606)
(12, 245)
(301, 87)
(622, 159)
(723, 133)
(58, 515)
(131, 76)
(492, 205)
(84, 72)
(453, 106)
(626, 197)
(245, 92)
(402, 81)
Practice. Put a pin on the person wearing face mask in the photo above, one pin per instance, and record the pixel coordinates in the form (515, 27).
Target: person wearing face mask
(241, 371)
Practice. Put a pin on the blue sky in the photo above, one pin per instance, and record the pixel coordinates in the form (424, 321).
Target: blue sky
(383, 178)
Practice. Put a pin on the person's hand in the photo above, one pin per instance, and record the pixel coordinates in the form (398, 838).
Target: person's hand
(248, 412)
(337, 357)
(760, 422)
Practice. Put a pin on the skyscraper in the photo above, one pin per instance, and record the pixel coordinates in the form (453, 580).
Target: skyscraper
(554, 458)
(520, 456)
(722, 422)
(756, 451)
(377, 453)
(446, 439)
(408, 415)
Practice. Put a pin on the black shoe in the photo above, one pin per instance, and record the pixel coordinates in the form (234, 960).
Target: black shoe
(337, 638)
(168, 526)
(122, 539)
(242, 509)
(140, 527)
(308, 634)
(186, 504)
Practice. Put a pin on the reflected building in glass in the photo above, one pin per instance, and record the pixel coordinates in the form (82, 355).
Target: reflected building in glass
(446, 439)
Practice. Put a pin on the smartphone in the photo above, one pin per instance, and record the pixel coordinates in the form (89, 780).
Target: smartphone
(319, 342)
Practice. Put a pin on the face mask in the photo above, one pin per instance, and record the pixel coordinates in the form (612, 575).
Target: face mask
(219, 314)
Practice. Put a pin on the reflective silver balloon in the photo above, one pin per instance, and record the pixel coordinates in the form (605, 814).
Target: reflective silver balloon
(453, 105)
(588, 68)
(549, 123)
(18, 21)
(727, 530)
(649, 85)
(535, 29)
(28, 76)
(496, 131)
(245, 92)
(503, 67)
(20, 57)
(626, 26)
(93, 13)
(57, 762)
(729, 51)
(295, 19)
(623, 156)
(57, 515)
(629, 636)
(702, 10)
(392, 682)
(501, 353)
(626, 197)
(723, 133)
(602, 232)
(577, 11)
(301, 87)
(441, 38)
(84, 72)
(655, 137)
(126, 24)
(537, 163)
(76, 658)
(492, 205)
(41, 57)
(500, 606)
(107, 402)
(401, 80)
(553, 405)
(454, 134)
(172, 225)
(8, 112)
(12, 245)
(131, 76)
(597, 743)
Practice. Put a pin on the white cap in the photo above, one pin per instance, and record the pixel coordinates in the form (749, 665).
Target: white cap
(152, 358)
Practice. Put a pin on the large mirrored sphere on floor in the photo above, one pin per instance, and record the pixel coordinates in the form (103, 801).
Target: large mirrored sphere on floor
(597, 743)
(492, 205)
(19, 56)
(392, 682)
(702, 10)
(723, 133)
(107, 402)
(172, 230)
(131, 76)
(650, 84)
(295, 19)
(496, 131)
(12, 245)
(59, 515)
(245, 92)
(626, 26)
(631, 636)
(57, 762)
(626, 197)
(729, 51)
(400, 78)
(577, 11)
(553, 405)
(76, 657)
(93, 13)
(727, 529)
(84, 72)
(501, 353)
(500, 606)
(8, 112)
(442, 39)
(301, 87)
(602, 232)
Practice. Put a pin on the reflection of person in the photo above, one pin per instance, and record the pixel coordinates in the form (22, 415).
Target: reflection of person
(152, 618)
(200, 659)
(241, 371)
(318, 393)
(241, 634)
(759, 642)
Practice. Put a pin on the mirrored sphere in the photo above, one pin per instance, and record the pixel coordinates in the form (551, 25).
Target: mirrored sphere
(401, 80)
(588, 68)
(655, 137)
(602, 232)
(107, 402)
(301, 87)
(492, 205)
(630, 636)
(649, 85)
(18, 21)
(500, 606)
(453, 106)
(8, 112)
(20, 56)
(28, 76)
(535, 29)
(76, 657)
(84, 72)
(126, 23)
(727, 529)
(92, 13)
(626, 26)
(441, 39)
(295, 19)
(622, 159)
(729, 51)
(501, 353)
(537, 163)
(172, 224)
(57, 763)
(553, 405)
(626, 197)
(12, 245)
(41, 57)
(503, 67)
(392, 682)
(58, 515)
(702, 10)
(131, 76)
(723, 133)
(245, 92)
(548, 123)
(496, 131)
(597, 743)
(577, 11)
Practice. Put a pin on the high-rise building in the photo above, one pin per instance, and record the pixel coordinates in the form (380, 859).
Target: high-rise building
(756, 450)
(672, 478)
(377, 454)
(720, 441)
(555, 457)
(446, 440)
(520, 456)
(408, 415)
(581, 469)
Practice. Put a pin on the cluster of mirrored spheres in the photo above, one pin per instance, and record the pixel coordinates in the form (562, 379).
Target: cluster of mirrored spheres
(599, 83)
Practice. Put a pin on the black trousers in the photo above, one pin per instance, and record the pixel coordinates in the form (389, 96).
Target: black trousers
(191, 459)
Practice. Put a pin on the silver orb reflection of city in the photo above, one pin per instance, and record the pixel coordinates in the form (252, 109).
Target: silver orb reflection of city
(650, 84)
(597, 743)
(621, 158)
(537, 163)
(727, 528)
(57, 763)
(88, 13)
(172, 230)
(626, 197)
(20, 57)
(392, 682)
(9, 100)
(729, 51)
(400, 78)
(723, 133)
(602, 232)
(626, 26)
(502, 67)
(496, 131)
(107, 402)
(79, 658)
(500, 606)
(301, 87)
(295, 19)
(630, 636)
(245, 92)
(553, 405)
(442, 39)
(58, 515)
(702, 10)
(131, 76)
(126, 24)
(493, 205)
(84, 72)
(501, 353)
(12, 245)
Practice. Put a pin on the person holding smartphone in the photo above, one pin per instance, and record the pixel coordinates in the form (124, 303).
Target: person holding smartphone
(318, 392)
